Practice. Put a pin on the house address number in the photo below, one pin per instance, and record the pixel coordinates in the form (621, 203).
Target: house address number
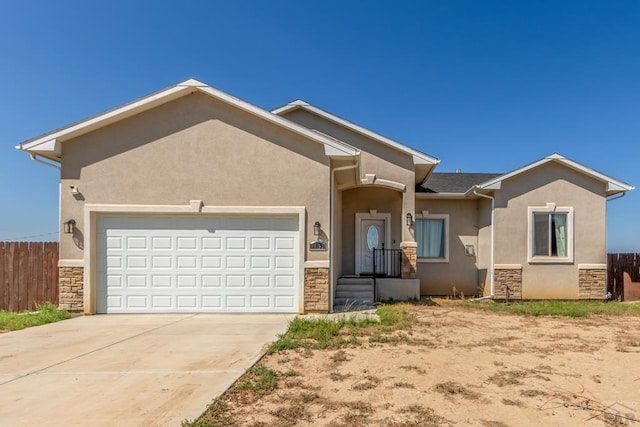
(317, 246)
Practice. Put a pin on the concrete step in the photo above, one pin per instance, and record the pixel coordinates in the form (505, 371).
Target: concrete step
(366, 294)
(355, 287)
(355, 281)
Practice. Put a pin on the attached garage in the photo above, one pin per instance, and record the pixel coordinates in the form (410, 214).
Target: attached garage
(197, 263)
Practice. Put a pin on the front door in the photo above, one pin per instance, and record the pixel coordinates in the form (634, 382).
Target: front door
(372, 236)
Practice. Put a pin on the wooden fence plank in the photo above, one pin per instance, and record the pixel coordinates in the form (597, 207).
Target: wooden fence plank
(28, 275)
(617, 264)
(4, 281)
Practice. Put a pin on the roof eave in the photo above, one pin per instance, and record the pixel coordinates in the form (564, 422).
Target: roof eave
(417, 156)
(613, 186)
(442, 195)
(43, 144)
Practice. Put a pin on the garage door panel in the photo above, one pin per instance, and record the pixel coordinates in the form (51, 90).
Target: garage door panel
(284, 281)
(284, 243)
(193, 264)
(212, 302)
(285, 302)
(258, 262)
(136, 262)
(211, 281)
(260, 244)
(211, 262)
(161, 262)
(260, 282)
(161, 281)
(236, 301)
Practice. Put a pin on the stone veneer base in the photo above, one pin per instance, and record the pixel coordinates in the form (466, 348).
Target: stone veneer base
(508, 280)
(316, 290)
(592, 283)
(71, 288)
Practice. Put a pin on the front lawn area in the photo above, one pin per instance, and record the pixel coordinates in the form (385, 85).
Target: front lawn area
(556, 308)
(46, 313)
(532, 363)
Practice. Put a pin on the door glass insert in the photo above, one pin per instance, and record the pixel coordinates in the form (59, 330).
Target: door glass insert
(372, 237)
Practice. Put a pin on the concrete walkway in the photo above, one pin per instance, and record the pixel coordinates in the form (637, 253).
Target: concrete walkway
(127, 370)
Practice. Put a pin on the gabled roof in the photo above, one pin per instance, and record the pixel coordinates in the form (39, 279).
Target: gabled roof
(48, 145)
(452, 183)
(418, 156)
(613, 186)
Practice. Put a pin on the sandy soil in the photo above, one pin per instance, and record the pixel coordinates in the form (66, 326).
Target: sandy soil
(463, 367)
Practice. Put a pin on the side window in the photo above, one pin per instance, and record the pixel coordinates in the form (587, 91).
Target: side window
(431, 233)
(550, 234)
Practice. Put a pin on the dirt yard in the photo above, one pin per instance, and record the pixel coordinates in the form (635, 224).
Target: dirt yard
(459, 366)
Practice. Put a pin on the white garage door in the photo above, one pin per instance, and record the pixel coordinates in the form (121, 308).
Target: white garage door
(159, 264)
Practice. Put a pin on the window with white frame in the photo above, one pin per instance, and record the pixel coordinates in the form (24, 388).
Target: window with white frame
(550, 234)
(432, 237)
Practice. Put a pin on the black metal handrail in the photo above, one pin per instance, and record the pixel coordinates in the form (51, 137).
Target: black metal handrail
(386, 263)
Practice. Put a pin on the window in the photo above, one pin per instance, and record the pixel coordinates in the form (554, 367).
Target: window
(550, 234)
(431, 233)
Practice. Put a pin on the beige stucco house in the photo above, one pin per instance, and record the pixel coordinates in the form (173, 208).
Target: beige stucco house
(192, 200)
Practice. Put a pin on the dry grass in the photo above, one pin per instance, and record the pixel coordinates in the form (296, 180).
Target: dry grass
(452, 388)
(552, 371)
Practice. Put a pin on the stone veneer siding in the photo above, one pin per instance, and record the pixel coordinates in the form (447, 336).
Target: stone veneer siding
(592, 283)
(71, 288)
(508, 278)
(409, 262)
(316, 290)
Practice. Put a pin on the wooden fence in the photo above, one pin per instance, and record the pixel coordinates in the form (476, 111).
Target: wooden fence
(618, 264)
(28, 274)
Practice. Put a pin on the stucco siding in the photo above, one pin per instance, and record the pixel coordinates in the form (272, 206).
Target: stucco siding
(375, 158)
(195, 148)
(460, 272)
(550, 183)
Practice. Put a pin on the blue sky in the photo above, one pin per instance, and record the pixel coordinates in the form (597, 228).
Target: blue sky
(486, 86)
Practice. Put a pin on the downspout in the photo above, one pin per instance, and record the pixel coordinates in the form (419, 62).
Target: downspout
(606, 240)
(491, 267)
(332, 232)
(35, 158)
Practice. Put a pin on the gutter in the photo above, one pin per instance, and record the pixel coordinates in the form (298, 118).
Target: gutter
(617, 196)
(332, 221)
(492, 266)
(35, 158)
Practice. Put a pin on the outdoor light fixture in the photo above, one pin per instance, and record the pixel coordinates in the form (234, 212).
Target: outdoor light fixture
(316, 229)
(69, 226)
(409, 220)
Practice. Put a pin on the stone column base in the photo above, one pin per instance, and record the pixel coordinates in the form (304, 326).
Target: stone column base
(316, 290)
(507, 282)
(409, 260)
(71, 288)
(592, 283)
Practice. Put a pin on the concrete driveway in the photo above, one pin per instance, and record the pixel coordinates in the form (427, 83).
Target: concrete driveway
(129, 370)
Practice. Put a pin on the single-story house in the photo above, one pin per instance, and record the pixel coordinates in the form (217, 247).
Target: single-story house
(192, 200)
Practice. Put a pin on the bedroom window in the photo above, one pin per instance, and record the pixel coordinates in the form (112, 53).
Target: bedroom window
(550, 234)
(431, 233)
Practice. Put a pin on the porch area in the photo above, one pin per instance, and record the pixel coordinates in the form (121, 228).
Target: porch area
(375, 259)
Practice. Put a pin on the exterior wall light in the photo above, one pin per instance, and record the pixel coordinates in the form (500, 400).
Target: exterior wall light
(316, 228)
(409, 220)
(69, 226)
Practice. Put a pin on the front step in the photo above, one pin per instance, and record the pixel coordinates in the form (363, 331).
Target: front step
(353, 293)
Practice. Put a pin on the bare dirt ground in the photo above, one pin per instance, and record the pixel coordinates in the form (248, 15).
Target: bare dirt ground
(460, 366)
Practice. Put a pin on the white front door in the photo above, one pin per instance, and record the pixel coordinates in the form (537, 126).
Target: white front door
(372, 236)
